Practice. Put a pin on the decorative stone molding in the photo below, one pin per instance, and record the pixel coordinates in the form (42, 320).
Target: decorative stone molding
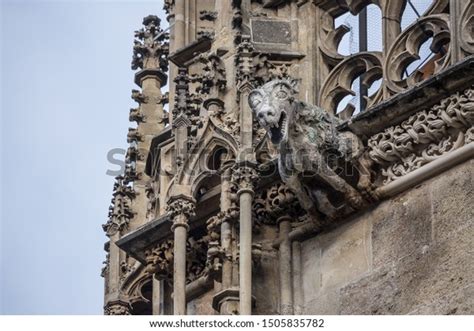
(151, 48)
(244, 64)
(424, 136)
(186, 106)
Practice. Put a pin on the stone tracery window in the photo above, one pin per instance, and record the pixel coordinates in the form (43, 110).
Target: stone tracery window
(371, 50)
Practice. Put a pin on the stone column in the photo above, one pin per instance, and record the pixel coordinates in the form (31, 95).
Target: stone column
(286, 292)
(181, 209)
(298, 295)
(156, 296)
(245, 175)
(245, 199)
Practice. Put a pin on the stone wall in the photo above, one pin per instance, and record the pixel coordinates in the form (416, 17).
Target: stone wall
(412, 254)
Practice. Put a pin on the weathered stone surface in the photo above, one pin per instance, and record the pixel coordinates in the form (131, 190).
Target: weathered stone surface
(325, 303)
(201, 306)
(265, 285)
(453, 200)
(374, 294)
(457, 303)
(438, 273)
(311, 265)
(332, 260)
(403, 227)
(346, 254)
(271, 32)
(435, 272)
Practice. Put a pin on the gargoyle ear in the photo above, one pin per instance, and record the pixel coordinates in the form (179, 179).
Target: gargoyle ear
(294, 83)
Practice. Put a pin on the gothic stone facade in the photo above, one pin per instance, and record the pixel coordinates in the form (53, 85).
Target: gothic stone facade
(248, 189)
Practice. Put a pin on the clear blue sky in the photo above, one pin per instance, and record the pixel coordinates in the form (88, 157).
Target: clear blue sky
(65, 96)
(65, 84)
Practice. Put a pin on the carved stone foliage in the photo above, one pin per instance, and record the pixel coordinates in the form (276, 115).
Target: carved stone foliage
(168, 6)
(424, 136)
(117, 308)
(181, 206)
(136, 116)
(275, 202)
(203, 257)
(134, 135)
(244, 176)
(133, 155)
(120, 212)
(159, 259)
(151, 47)
(212, 80)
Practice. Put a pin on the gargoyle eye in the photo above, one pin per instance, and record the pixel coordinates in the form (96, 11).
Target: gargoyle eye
(281, 94)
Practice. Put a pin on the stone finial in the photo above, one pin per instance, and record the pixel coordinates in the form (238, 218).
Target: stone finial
(151, 46)
(120, 212)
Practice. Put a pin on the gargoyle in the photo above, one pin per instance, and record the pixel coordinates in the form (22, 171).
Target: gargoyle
(326, 168)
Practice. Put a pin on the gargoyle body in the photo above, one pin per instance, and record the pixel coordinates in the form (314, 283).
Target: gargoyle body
(323, 166)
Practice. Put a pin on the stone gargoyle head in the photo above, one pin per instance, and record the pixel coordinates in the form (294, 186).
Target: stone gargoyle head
(272, 104)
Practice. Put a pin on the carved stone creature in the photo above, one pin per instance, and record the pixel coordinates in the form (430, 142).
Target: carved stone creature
(323, 166)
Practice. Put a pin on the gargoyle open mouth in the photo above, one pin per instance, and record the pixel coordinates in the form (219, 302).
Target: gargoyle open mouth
(277, 130)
